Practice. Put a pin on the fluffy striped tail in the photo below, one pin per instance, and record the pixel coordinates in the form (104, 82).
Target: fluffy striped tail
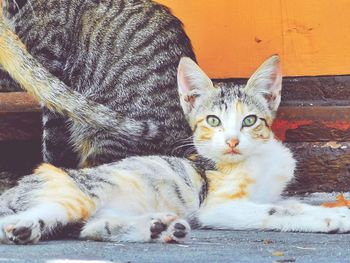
(55, 95)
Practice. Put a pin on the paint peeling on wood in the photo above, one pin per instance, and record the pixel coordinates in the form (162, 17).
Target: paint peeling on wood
(341, 125)
(280, 127)
(313, 124)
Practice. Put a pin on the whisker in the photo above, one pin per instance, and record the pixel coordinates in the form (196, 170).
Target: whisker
(31, 7)
(7, 3)
(181, 146)
(190, 139)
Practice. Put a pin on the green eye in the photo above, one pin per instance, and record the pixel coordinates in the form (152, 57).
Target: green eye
(249, 120)
(213, 121)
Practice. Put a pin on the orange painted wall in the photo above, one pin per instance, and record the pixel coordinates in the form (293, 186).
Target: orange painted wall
(232, 37)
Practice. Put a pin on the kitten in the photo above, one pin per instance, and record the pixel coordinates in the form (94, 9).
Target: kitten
(235, 182)
(122, 54)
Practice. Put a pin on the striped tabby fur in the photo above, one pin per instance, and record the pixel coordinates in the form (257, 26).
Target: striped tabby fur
(112, 80)
(235, 182)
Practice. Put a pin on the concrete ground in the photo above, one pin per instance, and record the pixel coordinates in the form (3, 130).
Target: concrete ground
(204, 246)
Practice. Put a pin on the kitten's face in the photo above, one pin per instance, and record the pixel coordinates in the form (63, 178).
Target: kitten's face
(230, 123)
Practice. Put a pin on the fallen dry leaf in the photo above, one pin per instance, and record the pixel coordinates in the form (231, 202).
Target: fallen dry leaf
(277, 254)
(340, 201)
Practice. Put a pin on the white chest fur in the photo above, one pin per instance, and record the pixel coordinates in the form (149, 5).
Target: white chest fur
(260, 178)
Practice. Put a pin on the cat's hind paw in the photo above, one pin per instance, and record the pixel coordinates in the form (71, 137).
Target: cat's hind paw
(21, 231)
(168, 228)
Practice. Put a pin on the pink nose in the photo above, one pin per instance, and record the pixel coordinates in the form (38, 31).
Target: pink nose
(232, 143)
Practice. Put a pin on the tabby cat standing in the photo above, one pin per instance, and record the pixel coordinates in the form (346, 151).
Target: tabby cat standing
(122, 54)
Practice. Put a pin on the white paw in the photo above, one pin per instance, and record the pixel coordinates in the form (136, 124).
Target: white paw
(95, 231)
(337, 220)
(306, 218)
(167, 228)
(16, 230)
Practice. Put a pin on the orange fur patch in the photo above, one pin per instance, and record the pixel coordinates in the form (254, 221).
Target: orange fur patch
(85, 151)
(196, 123)
(243, 190)
(76, 208)
(11, 58)
(83, 209)
(193, 157)
(49, 168)
(239, 107)
(60, 188)
(205, 133)
(215, 179)
(219, 181)
(261, 132)
(201, 131)
(226, 167)
(70, 209)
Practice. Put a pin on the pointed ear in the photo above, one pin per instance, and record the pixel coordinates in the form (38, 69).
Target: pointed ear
(193, 83)
(267, 80)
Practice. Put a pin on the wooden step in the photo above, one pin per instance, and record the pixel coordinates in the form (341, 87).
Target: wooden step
(321, 167)
(318, 135)
(20, 120)
(20, 117)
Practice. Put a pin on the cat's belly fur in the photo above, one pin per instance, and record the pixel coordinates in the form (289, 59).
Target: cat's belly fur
(148, 185)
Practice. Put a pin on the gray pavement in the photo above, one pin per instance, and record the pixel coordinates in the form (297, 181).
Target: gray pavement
(203, 246)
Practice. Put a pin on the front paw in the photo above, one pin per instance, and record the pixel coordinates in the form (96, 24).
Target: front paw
(306, 218)
(337, 220)
(21, 231)
(168, 228)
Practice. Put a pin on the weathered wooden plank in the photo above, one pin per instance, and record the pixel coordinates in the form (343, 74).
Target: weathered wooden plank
(303, 91)
(20, 126)
(320, 90)
(322, 167)
(310, 91)
(12, 102)
(20, 120)
(19, 117)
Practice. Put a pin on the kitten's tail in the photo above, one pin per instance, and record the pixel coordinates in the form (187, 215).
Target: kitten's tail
(57, 96)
